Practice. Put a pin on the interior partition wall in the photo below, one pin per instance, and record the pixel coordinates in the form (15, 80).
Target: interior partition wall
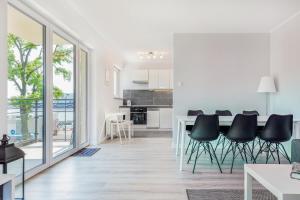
(45, 87)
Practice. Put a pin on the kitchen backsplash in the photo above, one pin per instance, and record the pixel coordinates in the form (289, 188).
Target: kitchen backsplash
(148, 97)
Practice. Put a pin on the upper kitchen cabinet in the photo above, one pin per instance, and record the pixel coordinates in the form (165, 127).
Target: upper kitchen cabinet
(164, 79)
(153, 78)
(160, 79)
(140, 76)
(171, 79)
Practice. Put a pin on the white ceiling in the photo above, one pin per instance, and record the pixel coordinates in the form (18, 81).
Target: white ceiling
(142, 25)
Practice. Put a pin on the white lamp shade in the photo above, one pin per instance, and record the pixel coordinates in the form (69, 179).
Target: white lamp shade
(266, 85)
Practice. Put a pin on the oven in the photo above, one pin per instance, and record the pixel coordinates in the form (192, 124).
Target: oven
(138, 115)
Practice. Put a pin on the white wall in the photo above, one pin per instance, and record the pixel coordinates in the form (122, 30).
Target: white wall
(219, 71)
(285, 67)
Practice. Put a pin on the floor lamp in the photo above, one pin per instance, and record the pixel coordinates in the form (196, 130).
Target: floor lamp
(267, 86)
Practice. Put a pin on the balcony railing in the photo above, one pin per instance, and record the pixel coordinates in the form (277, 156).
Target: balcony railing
(63, 117)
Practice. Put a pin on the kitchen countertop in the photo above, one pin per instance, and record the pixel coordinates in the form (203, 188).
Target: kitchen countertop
(148, 106)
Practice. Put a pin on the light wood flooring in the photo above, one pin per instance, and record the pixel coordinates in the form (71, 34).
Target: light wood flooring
(143, 169)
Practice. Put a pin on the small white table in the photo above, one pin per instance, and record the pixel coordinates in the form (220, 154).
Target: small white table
(8, 183)
(275, 178)
(223, 121)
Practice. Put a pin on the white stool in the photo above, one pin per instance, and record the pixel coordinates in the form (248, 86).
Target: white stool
(115, 121)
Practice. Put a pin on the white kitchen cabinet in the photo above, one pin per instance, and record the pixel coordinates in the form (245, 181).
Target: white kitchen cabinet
(140, 76)
(171, 79)
(160, 79)
(153, 78)
(164, 79)
(165, 118)
(153, 118)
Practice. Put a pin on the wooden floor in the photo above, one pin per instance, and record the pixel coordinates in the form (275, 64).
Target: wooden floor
(144, 169)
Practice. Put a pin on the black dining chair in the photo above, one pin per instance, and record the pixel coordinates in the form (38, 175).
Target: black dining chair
(278, 129)
(250, 112)
(223, 113)
(205, 130)
(256, 141)
(242, 131)
(188, 128)
(223, 130)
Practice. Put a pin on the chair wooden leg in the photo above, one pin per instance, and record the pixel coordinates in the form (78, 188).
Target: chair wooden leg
(119, 132)
(188, 146)
(286, 155)
(234, 146)
(192, 151)
(195, 162)
(228, 150)
(215, 156)
(277, 152)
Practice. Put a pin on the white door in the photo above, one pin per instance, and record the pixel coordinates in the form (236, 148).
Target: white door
(164, 79)
(165, 118)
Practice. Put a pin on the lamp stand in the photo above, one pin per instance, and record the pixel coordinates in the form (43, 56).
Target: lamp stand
(267, 103)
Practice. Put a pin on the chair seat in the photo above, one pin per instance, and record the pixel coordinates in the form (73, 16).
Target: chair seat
(270, 139)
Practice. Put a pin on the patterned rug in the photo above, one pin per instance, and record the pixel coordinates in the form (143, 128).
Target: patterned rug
(86, 152)
(213, 194)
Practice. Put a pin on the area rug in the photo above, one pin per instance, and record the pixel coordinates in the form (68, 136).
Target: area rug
(214, 194)
(86, 152)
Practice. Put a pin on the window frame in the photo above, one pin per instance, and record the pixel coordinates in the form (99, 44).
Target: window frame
(116, 83)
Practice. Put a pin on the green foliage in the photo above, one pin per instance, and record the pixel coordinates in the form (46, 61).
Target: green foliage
(25, 67)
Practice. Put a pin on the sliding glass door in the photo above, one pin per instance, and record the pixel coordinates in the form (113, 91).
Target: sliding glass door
(63, 95)
(25, 92)
(46, 89)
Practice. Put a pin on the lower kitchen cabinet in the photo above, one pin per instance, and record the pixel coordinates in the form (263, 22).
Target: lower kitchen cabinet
(165, 118)
(153, 118)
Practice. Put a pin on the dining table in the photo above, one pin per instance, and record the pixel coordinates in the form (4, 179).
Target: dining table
(183, 121)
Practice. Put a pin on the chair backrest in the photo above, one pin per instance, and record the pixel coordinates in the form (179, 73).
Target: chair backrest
(194, 112)
(243, 128)
(206, 128)
(250, 112)
(223, 113)
(279, 128)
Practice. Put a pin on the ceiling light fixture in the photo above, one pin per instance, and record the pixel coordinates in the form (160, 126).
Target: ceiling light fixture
(151, 55)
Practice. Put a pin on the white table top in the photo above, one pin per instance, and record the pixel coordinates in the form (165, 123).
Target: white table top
(275, 178)
(4, 178)
(224, 118)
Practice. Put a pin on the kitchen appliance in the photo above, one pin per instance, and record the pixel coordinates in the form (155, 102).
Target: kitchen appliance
(138, 115)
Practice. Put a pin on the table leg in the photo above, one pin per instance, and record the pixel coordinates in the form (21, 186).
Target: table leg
(9, 190)
(247, 186)
(182, 145)
(178, 136)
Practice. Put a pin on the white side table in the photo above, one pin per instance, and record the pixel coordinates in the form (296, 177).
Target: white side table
(8, 183)
(275, 178)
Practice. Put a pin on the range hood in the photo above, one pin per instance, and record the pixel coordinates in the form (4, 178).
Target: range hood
(140, 81)
(140, 76)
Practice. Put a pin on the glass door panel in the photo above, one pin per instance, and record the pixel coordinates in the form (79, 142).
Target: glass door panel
(63, 95)
(25, 92)
(83, 63)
